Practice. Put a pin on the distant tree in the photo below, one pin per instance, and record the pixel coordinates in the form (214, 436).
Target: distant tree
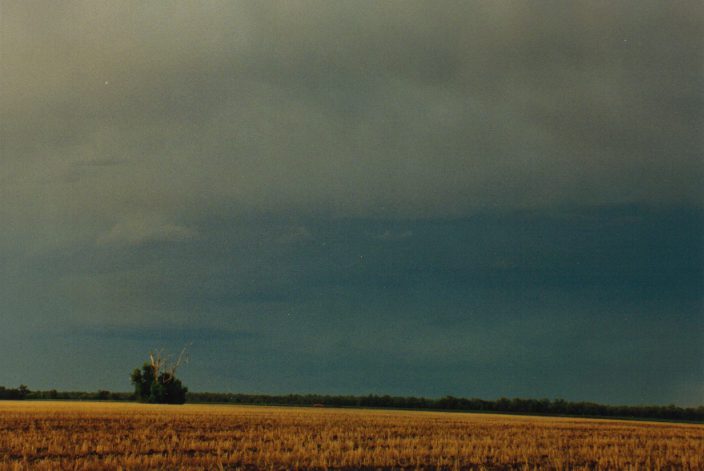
(156, 381)
(142, 381)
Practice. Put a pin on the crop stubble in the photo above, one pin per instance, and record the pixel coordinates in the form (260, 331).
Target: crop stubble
(111, 436)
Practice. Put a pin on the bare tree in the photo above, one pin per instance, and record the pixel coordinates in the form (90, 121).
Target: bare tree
(164, 364)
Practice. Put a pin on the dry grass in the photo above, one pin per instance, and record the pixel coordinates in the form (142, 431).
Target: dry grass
(71, 435)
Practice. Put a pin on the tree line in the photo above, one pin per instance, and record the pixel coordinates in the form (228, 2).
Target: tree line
(449, 403)
(23, 392)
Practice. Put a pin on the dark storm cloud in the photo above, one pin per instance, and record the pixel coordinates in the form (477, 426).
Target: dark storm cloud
(362, 108)
(457, 188)
(601, 304)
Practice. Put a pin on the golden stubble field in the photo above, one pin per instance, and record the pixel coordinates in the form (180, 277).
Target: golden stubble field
(74, 435)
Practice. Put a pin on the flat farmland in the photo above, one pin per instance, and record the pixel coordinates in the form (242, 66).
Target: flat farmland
(112, 436)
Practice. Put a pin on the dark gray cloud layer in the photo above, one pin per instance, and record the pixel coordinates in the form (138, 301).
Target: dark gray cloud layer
(425, 108)
(601, 304)
(440, 180)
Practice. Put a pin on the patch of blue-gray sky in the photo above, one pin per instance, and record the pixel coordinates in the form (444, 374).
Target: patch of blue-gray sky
(416, 199)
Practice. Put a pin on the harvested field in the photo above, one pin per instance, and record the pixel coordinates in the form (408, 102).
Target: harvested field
(73, 435)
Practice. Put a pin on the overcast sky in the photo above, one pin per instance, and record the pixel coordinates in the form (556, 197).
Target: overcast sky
(415, 198)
